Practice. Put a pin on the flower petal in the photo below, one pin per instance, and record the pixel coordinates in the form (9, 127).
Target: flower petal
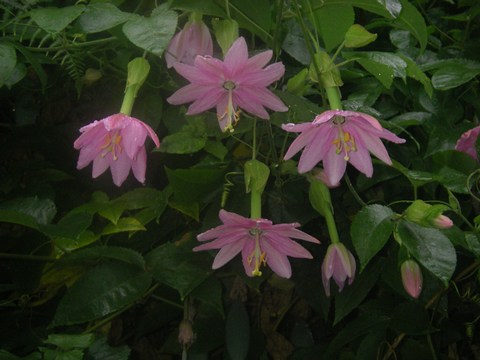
(139, 165)
(277, 261)
(100, 164)
(318, 147)
(133, 138)
(286, 246)
(120, 168)
(209, 100)
(334, 165)
(236, 58)
(263, 77)
(226, 254)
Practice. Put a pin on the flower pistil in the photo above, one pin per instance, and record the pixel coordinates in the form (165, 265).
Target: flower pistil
(112, 144)
(257, 253)
(230, 116)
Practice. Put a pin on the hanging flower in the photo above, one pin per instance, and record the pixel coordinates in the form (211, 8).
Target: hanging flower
(412, 278)
(116, 142)
(260, 242)
(237, 82)
(338, 263)
(467, 142)
(337, 137)
(194, 39)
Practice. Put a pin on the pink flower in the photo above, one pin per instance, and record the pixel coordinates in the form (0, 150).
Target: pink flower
(337, 137)
(412, 278)
(442, 222)
(260, 242)
(236, 82)
(467, 142)
(339, 263)
(116, 142)
(194, 39)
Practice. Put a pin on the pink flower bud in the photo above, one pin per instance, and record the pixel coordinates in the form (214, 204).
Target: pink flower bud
(467, 142)
(186, 336)
(339, 263)
(412, 278)
(194, 39)
(442, 222)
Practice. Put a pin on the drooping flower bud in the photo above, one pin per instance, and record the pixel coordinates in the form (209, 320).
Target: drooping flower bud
(412, 278)
(194, 39)
(468, 142)
(442, 222)
(340, 264)
(186, 336)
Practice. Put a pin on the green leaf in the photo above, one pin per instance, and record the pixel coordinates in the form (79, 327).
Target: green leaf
(352, 295)
(202, 7)
(226, 32)
(94, 254)
(8, 60)
(216, 148)
(106, 288)
(256, 175)
(370, 231)
(192, 185)
(453, 75)
(294, 43)
(34, 62)
(42, 210)
(191, 138)
(18, 218)
(153, 33)
(452, 169)
(394, 7)
(68, 341)
(100, 17)
(253, 15)
(414, 72)
(124, 224)
(210, 292)
(358, 36)
(333, 16)
(430, 247)
(237, 331)
(179, 267)
(412, 20)
(187, 208)
(53, 20)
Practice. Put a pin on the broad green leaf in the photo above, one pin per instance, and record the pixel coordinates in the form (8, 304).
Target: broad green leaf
(106, 288)
(253, 15)
(42, 210)
(226, 32)
(179, 267)
(18, 218)
(187, 208)
(70, 341)
(294, 43)
(412, 20)
(94, 254)
(101, 16)
(18, 73)
(57, 354)
(256, 175)
(373, 6)
(333, 16)
(237, 331)
(53, 20)
(452, 169)
(191, 138)
(414, 72)
(192, 185)
(454, 75)
(352, 295)
(34, 62)
(358, 36)
(430, 247)
(382, 72)
(370, 231)
(153, 33)
(216, 148)
(5, 355)
(101, 350)
(70, 226)
(123, 224)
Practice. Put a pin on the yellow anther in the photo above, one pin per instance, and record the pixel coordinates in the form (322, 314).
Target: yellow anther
(112, 145)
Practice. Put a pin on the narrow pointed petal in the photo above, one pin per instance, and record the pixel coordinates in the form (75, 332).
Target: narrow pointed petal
(287, 246)
(209, 100)
(259, 61)
(139, 165)
(289, 231)
(120, 168)
(277, 261)
(100, 164)
(375, 146)
(226, 254)
(192, 74)
(236, 57)
(248, 262)
(264, 77)
(133, 136)
(334, 165)
(189, 93)
(299, 143)
(290, 127)
(361, 160)
(317, 149)
(222, 241)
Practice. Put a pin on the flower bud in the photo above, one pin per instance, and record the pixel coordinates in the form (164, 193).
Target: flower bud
(339, 263)
(186, 336)
(468, 143)
(412, 278)
(428, 215)
(442, 222)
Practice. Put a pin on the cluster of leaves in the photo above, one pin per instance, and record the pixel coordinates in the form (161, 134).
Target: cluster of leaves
(92, 272)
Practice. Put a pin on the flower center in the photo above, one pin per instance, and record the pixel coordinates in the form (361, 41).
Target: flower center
(230, 116)
(229, 85)
(112, 144)
(257, 254)
(344, 142)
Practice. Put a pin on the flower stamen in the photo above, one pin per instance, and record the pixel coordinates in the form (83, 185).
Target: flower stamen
(230, 114)
(257, 253)
(112, 144)
(344, 143)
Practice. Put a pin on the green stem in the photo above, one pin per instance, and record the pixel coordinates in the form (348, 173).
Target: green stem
(255, 204)
(332, 228)
(128, 101)
(333, 96)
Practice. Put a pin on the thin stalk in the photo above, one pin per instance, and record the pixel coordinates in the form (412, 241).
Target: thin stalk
(332, 227)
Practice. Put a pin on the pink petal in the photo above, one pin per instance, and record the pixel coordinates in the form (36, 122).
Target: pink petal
(316, 150)
(253, 100)
(288, 230)
(334, 165)
(222, 241)
(258, 61)
(361, 160)
(233, 219)
(139, 165)
(209, 100)
(90, 134)
(247, 251)
(236, 57)
(133, 137)
(226, 254)
(278, 262)
(90, 152)
(120, 168)
(290, 127)
(263, 77)
(173, 50)
(100, 164)
(189, 93)
(374, 145)
(195, 75)
(286, 246)
(300, 142)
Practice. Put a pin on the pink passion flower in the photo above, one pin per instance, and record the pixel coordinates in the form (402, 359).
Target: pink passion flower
(116, 142)
(337, 137)
(194, 39)
(237, 82)
(260, 242)
(340, 264)
(467, 142)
